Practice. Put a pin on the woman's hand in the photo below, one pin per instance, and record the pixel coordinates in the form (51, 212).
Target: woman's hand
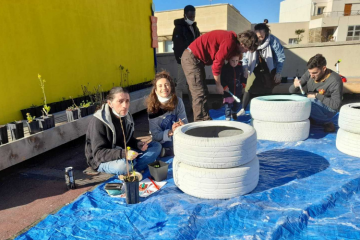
(142, 146)
(246, 72)
(175, 126)
(277, 78)
(181, 122)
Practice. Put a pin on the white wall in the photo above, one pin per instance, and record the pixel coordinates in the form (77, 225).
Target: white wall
(338, 6)
(343, 26)
(295, 11)
(285, 31)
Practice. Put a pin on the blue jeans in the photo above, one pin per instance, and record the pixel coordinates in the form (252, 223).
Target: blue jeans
(320, 112)
(118, 166)
(231, 108)
(168, 144)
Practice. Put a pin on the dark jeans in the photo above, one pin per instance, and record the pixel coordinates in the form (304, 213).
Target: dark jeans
(231, 108)
(320, 112)
(194, 70)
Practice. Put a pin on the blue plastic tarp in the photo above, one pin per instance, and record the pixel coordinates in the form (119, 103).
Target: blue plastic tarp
(307, 190)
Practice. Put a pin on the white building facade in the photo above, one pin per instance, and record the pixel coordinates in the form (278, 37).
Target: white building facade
(323, 20)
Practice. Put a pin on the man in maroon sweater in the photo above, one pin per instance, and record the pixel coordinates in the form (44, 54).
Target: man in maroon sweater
(211, 48)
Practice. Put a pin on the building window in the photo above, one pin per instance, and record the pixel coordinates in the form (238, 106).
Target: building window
(320, 10)
(169, 46)
(293, 40)
(353, 33)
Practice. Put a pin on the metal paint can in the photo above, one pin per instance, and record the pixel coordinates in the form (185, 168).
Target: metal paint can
(70, 178)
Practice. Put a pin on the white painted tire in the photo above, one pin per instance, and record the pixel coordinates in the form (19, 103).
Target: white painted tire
(215, 152)
(280, 108)
(216, 183)
(348, 143)
(282, 132)
(349, 119)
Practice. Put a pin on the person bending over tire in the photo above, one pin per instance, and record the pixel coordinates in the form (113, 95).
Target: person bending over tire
(211, 48)
(105, 141)
(262, 67)
(166, 111)
(324, 88)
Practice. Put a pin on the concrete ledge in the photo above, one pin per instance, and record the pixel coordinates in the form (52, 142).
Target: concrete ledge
(20, 150)
(28, 147)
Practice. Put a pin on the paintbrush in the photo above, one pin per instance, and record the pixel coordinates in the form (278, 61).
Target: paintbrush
(302, 91)
(157, 187)
(235, 97)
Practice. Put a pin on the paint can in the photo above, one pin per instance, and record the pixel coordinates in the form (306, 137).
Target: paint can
(70, 178)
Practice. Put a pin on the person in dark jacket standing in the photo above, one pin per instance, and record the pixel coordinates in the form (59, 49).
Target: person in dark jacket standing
(105, 141)
(324, 88)
(232, 79)
(211, 48)
(185, 32)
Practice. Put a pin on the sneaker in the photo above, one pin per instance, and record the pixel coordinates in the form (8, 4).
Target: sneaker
(227, 119)
(91, 172)
(162, 154)
(241, 112)
(234, 116)
(329, 127)
(166, 152)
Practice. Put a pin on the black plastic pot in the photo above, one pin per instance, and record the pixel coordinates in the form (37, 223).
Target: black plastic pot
(132, 192)
(91, 109)
(34, 127)
(65, 104)
(56, 107)
(16, 130)
(28, 110)
(83, 112)
(72, 115)
(38, 111)
(46, 122)
(3, 134)
(158, 173)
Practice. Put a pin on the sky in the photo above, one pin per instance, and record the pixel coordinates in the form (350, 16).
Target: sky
(254, 10)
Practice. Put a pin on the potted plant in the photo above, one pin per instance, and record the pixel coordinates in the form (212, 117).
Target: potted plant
(84, 108)
(46, 121)
(131, 181)
(30, 110)
(3, 134)
(16, 129)
(72, 112)
(158, 170)
(34, 126)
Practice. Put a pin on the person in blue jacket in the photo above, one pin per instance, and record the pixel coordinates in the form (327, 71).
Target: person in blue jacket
(263, 67)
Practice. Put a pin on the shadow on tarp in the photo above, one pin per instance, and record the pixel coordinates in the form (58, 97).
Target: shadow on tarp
(280, 166)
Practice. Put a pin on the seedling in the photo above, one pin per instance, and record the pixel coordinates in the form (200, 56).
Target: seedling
(29, 117)
(46, 108)
(85, 105)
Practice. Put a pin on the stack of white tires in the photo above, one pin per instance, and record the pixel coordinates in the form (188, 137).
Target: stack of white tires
(348, 135)
(215, 159)
(282, 118)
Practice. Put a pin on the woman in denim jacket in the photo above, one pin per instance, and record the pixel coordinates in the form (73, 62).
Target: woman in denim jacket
(265, 63)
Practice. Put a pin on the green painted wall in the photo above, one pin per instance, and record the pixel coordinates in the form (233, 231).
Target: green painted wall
(70, 43)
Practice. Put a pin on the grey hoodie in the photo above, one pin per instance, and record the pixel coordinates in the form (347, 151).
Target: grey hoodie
(100, 146)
